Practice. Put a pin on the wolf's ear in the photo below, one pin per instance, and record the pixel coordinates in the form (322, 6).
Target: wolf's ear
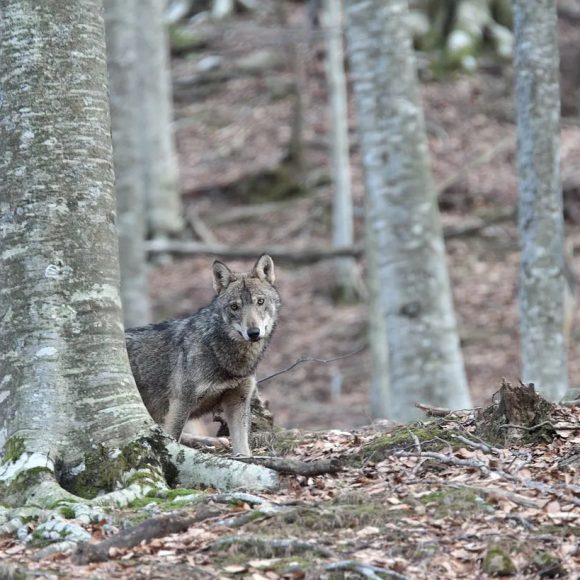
(222, 276)
(264, 269)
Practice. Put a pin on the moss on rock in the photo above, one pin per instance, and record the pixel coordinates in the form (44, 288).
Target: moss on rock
(497, 562)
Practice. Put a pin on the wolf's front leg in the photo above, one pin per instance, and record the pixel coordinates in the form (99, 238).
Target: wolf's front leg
(177, 415)
(236, 406)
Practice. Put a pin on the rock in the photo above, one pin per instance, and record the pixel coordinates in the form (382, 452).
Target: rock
(497, 562)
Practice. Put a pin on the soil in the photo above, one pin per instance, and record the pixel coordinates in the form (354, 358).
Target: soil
(234, 124)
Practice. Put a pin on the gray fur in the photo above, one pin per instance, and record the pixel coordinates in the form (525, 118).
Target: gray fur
(190, 366)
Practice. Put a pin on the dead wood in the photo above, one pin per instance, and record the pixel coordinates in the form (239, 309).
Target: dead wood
(280, 254)
(294, 466)
(520, 413)
(433, 411)
(157, 527)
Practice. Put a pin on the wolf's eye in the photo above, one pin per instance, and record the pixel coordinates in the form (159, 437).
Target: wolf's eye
(234, 306)
(260, 301)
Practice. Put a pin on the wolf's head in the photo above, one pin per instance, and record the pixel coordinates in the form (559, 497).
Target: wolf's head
(249, 302)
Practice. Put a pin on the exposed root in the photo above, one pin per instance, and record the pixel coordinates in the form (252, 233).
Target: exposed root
(196, 468)
(153, 528)
(294, 466)
(365, 570)
(65, 547)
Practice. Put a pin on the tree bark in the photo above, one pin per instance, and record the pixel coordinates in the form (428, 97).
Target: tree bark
(343, 228)
(121, 30)
(62, 346)
(541, 293)
(425, 362)
(158, 160)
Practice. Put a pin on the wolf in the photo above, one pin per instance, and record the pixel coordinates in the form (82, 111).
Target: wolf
(188, 367)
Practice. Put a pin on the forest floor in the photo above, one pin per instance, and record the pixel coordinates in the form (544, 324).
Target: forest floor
(430, 500)
(234, 110)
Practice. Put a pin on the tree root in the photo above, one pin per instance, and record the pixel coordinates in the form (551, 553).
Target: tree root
(152, 528)
(294, 466)
(266, 548)
(365, 570)
(196, 468)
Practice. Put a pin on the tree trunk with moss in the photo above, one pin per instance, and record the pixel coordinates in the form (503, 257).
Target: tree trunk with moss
(425, 362)
(67, 395)
(542, 284)
(157, 151)
(121, 29)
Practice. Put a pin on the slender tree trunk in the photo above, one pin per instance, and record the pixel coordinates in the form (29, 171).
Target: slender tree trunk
(425, 362)
(66, 390)
(542, 288)
(380, 395)
(343, 230)
(158, 158)
(121, 28)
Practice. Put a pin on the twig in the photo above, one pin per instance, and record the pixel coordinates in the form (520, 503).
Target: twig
(523, 428)
(494, 492)
(481, 446)
(294, 466)
(271, 547)
(157, 527)
(366, 570)
(310, 359)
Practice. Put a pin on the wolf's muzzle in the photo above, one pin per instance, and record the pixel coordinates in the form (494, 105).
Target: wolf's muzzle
(254, 333)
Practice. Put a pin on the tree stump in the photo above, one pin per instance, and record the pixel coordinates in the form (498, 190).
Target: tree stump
(520, 413)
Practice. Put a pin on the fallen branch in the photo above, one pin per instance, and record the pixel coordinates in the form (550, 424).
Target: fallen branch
(157, 527)
(433, 411)
(524, 428)
(309, 359)
(281, 254)
(505, 215)
(495, 493)
(366, 570)
(264, 548)
(294, 466)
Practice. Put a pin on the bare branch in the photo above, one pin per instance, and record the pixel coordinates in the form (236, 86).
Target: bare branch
(310, 359)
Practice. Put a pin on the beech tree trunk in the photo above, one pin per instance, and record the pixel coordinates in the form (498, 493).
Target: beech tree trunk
(425, 362)
(121, 29)
(158, 160)
(343, 229)
(542, 289)
(66, 389)
(65, 378)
